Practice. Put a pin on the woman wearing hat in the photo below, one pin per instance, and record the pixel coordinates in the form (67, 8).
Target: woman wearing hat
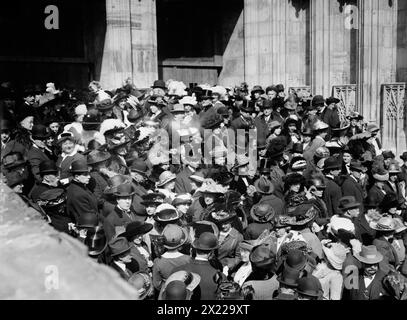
(166, 185)
(143, 283)
(320, 131)
(328, 272)
(262, 215)
(118, 151)
(69, 154)
(180, 286)
(135, 235)
(241, 272)
(309, 288)
(123, 213)
(174, 237)
(38, 152)
(121, 258)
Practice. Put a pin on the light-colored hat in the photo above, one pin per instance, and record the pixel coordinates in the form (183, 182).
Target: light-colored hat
(197, 177)
(81, 110)
(219, 151)
(369, 255)
(174, 236)
(165, 177)
(384, 224)
(210, 186)
(341, 223)
(372, 128)
(190, 279)
(187, 100)
(381, 176)
(320, 125)
(335, 254)
(400, 226)
(185, 198)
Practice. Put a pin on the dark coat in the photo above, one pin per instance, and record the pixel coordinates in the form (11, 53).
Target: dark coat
(124, 274)
(38, 189)
(332, 194)
(255, 229)
(228, 249)
(207, 286)
(137, 199)
(239, 185)
(276, 203)
(182, 182)
(116, 220)
(375, 195)
(80, 200)
(65, 164)
(35, 157)
(330, 117)
(262, 129)
(372, 292)
(363, 232)
(141, 260)
(390, 257)
(352, 188)
(100, 184)
(118, 165)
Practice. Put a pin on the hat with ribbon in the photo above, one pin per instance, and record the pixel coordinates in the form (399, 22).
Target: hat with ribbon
(52, 197)
(152, 198)
(355, 115)
(373, 128)
(381, 175)
(159, 84)
(369, 255)
(13, 160)
(299, 215)
(142, 282)
(221, 215)
(347, 203)
(298, 164)
(331, 100)
(209, 186)
(165, 177)
(331, 163)
(309, 286)
(79, 166)
(124, 190)
(40, 132)
(135, 229)
(258, 89)
(385, 224)
(262, 212)
(335, 254)
(264, 185)
(190, 279)
(97, 156)
(139, 166)
(263, 256)
(179, 199)
(320, 126)
(207, 241)
(166, 213)
(318, 101)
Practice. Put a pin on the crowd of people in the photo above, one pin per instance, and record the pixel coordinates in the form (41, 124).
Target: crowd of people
(210, 192)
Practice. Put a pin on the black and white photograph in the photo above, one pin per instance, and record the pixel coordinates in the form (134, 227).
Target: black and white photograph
(203, 150)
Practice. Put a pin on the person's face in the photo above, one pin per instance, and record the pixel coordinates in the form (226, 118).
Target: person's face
(393, 177)
(271, 94)
(347, 158)
(220, 161)
(124, 202)
(52, 179)
(306, 139)
(83, 178)
(183, 208)
(318, 193)
(179, 116)
(387, 162)
(292, 128)
(125, 258)
(226, 119)
(256, 95)
(138, 240)
(28, 123)
(150, 209)
(79, 118)
(93, 87)
(49, 142)
(335, 173)
(5, 135)
(277, 131)
(216, 130)
(188, 108)
(244, 255)
(29, 99)
(353, 213)
(40, 143)
(295, 188)
(170, 185)
(209, 199)
(370, 269)
(226, 227)
(312, 112)
(353, 122)
(18, 188)
(357, 174)
(206, 102)
(267, 112)
(67, 146)
(121, 151)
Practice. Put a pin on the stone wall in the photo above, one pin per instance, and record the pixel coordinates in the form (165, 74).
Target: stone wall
(38, 262)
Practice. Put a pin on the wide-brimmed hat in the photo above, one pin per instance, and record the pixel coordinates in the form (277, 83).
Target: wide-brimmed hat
(52, 198)
(332, 100)
(96, 241)
(213, 121)
(174, 236)
(178, 108)
(136, 228)
(207, 241)
(247, 106)
(209, 186)
(142, 280)
(257, 88)
(384, 224)
(264, 186)
(40, 132)
(221, 215)
(309, 286)
(13, 160)
(299, 215)
(176, 290)
(179, 199)
(356, 166)
(87, 220)
(331, 163)
(96, 156)
(348, 202)
(124, 190)
(262, 212)
(190, 279)
(295, 259)
(381, 175)
(262, 256)
(166, 213)
(117, 144)
(394, 168)
(114, 182)
(105, 104)
(155, 198)
(355, 115)
(388, 154)
(369, 255)
(372, 128)
(118, 246)
(48, 167)
(335, 254)
(79, 166)
(319, 125)
(298, 164)
(400, 226)
(165, 177)
(289, 277)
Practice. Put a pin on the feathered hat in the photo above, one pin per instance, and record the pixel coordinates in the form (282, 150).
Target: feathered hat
(108, 126)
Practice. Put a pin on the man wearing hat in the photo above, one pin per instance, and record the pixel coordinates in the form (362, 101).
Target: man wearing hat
(38, 151)
(245, 122)
(5, 131)
(50, 179)
(122, 261)
(374, 130)
(204, 245)
(351, 185)
(265, 191)
(378, 191)
(139, 174)
(123, 213)
(80, 200)
(262, 122)
(333, 192)
(328, 114)
(369, 284)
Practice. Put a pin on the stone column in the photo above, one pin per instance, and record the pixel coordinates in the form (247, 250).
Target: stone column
(378, 37)
(130, 48)
(275, 43)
